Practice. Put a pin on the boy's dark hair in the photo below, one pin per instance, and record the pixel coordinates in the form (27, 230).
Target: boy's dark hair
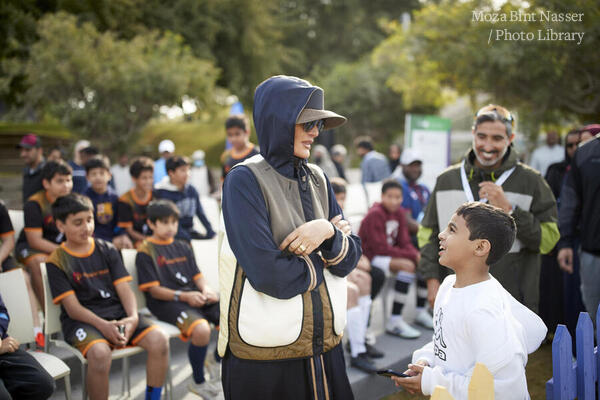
(177, 161)
(390, 183)
(97, 162)
(161, 210)
(139, 165)
(365, 142)
(338, 185)
(491, 223)
(239, 121)
(72, 203)
(90, 151)
(52, 168)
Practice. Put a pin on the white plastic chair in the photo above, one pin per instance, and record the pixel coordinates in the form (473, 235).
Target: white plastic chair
(207, 259)
(16, 299)
(356, 200)
(52, 325)
(17, 218)
(171, 330)
(373, 190)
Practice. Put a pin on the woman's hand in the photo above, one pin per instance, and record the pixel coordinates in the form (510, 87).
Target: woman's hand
(307, 237)
(342, 224)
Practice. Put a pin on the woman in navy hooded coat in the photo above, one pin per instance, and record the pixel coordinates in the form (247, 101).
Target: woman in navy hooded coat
(289, 115)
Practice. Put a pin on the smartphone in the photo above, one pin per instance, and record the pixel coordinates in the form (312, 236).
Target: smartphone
(122, 329)
(391, 372)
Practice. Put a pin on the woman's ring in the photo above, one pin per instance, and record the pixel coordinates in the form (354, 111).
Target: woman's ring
(302, 248)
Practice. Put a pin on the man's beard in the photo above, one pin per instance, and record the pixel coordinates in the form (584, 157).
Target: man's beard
(489, 163)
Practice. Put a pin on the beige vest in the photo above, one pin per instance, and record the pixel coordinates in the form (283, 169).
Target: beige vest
(257, 326)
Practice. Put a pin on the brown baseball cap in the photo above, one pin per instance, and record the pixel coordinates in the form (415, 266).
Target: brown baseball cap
(314, 111)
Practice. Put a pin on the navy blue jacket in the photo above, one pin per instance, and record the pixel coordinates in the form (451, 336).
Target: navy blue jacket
(188, 202)
(277, 104)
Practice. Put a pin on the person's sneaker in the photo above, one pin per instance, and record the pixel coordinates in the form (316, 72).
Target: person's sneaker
(370, 338)
(207, 390)
(402, 329)
(40, 340)
(372, 352)
(363, 363)
(424, 319)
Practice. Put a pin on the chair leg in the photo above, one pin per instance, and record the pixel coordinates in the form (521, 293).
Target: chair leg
(68, 387)
(83, 382)
(169, 384)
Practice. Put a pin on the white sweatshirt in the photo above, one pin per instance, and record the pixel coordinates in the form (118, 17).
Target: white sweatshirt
(479, 323)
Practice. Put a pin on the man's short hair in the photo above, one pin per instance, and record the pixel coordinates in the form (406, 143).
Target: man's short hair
(390, 183)
(493, 112)
(176, 161)
(52, 168)
(72, 203)
(338, 185)
(365, 142)
(139, 165)
(161, 210)
(239, 121)
(97, 162)
(491, 223)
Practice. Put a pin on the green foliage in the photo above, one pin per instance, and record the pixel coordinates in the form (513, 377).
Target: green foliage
(105, 88)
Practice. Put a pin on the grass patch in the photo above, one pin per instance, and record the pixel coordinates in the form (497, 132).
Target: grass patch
(539, 370)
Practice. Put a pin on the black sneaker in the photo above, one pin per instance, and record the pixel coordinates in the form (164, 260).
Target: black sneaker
(363, 363)
(372, 352)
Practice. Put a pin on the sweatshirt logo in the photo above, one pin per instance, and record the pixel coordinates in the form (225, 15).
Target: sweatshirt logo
(161, 261)
(77, 277)
(438, 336)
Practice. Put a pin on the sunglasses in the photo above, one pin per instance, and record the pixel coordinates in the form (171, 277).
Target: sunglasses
(308, 126)
(501, 111)
(569, 145)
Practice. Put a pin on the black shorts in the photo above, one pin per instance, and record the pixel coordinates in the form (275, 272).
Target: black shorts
(184, 316)
(24, 252)
(83, 336)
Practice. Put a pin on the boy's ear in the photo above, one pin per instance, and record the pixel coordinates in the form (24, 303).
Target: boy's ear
(482, 248)
(45, 184)
(60, 225)
(150, 224)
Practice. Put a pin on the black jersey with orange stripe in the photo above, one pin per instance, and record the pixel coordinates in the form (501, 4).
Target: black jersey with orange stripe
(170, 264)
(90, 276)
(37, 213)
(132, 212)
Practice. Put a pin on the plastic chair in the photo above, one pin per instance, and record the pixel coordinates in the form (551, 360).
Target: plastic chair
(171, 330)
(14, 291)
(52, 325)
(17, 218)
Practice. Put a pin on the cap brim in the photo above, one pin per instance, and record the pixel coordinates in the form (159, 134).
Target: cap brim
(24, 146)
(332, 120)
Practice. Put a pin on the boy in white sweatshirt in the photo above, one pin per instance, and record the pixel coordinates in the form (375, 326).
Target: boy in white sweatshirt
(475, 318)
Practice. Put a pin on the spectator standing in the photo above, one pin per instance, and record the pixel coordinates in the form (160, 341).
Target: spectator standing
(374, 166)
(338, 156)
(550, 153)
(120, 175)
(323, 160)
(166, 148)
(77, 165)
(394, 156)
(32, 154)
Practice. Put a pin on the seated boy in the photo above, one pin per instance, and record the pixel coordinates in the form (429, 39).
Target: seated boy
(40, 236)
(237, 129)
(104, 198)
(176, 291)
(21, 376)
(131, 210)
(387, 244)
(99, 311)
(475, 318)
(185, 198)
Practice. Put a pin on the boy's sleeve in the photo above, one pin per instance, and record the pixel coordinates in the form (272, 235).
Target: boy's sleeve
(116, 267)
(202, 217)
(194, 270)
(424, 353)
(6, 227)
(60, 286)
(124, 215)
(33, 216)
(375, 235)
(147, 276)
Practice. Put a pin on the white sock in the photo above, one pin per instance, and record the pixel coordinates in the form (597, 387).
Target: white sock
(364, 302)
(36, 330)
(356, 331)
(394, 319)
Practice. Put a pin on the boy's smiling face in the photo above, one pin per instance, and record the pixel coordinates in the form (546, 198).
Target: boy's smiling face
(99, 178)
(165, 229)
(145, 181)
(78, 228)
(59, 185)
(392, 199)
(455, 247)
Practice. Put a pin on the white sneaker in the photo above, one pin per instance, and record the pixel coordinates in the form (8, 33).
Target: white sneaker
(402, 329)
(424, 319)
(207, 390)
(370, 338)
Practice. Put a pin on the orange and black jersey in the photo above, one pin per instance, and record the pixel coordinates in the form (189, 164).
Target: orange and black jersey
(38, 217)
(131, 212)
(233, 159)
(91, 277)
(6, 227)
(169, 264)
